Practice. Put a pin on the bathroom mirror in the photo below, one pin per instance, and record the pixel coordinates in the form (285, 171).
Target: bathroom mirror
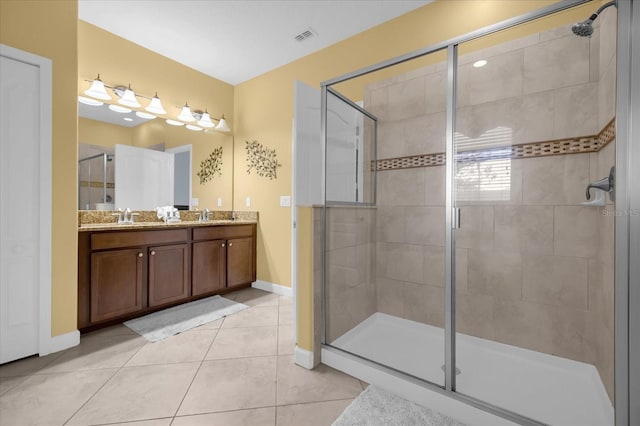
(209, 155)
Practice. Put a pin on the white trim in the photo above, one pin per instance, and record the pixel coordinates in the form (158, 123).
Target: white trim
(411, 391)
(303, 358)
(63, 341)
(45, 113)
(273, 288)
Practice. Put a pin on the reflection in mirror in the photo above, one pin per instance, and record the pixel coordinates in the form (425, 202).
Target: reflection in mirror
(101, 129)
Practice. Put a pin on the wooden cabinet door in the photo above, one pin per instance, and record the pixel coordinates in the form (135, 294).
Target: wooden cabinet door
(209, 262)
(240, 261)
(168, 274)
(117, 279)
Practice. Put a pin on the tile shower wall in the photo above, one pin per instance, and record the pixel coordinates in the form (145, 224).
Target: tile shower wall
(91, 176)
(350, 253)
(534, 267)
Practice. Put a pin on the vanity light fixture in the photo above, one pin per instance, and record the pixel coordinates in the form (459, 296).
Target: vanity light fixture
(174, 122)
(155, 106)
(118, 108)
(194, 128)
(480, 63)
(97, 90)
(145, 115)
(128, 119)
(89, 101)
(185, 114)
(222, 125)
(204, 120)
(129, 98)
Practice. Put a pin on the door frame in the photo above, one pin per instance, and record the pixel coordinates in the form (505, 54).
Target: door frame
(45, 341)
(185, 148)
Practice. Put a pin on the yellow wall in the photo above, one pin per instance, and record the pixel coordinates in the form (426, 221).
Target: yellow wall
(93, 132)
(264, 105)
(120, 62)
(49, 28)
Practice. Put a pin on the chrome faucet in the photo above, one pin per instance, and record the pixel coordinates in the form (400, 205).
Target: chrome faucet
(203, 216)
(606, 184)
(125, 216)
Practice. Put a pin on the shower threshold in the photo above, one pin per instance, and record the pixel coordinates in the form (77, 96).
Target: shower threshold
(547, 388)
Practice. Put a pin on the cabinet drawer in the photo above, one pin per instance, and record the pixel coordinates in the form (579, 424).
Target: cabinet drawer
(222, 232)
(109, 240)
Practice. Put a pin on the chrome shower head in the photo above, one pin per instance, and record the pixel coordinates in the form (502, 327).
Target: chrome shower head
(585, 28)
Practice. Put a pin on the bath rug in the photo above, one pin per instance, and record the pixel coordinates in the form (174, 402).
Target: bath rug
(162, 324)
(377, 407)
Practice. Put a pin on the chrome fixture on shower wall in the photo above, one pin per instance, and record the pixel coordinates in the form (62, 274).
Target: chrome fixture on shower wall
(585, 28)
(606, 184)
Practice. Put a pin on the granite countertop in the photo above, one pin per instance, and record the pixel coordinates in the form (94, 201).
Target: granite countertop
(92, 220)
(159, 225)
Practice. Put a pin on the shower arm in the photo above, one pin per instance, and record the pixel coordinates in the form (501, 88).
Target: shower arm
(603, 7)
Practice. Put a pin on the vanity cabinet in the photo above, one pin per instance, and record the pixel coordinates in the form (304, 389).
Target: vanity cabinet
(223, 257)
(123, 274)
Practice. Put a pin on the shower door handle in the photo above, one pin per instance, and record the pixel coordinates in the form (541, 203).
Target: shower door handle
(456, 218)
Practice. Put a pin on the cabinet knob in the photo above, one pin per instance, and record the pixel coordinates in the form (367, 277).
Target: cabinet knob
(153, 252)
(140, 254)
(230, 244)
(222, 244)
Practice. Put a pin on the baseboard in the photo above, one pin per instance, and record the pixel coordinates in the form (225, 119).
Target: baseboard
(303, 358)
(62, 342)
(273, 288)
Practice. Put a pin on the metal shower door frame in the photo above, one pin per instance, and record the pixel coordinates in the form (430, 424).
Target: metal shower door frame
(627, 302)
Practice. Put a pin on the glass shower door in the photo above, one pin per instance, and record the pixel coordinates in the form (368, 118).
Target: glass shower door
(534, 275)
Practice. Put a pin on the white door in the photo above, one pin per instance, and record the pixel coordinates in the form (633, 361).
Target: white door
(20, 209)
(143, 178)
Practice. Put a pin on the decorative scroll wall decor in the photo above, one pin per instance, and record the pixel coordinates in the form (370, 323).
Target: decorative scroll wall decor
(261, 159)
(211, 166)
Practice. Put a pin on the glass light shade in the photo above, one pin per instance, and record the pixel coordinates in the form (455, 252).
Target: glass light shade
(194, 128)
(205, 121)
(97, 90)
(118, 108)
(128, 119)
(129, 99)
(223, 126)
(89, 101)
(174, 122)
(145, 115)
(155, 106)
(185, 114)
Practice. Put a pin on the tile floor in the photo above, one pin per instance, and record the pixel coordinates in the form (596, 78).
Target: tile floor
(235, 371)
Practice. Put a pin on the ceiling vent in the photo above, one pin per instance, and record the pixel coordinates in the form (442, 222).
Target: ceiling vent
(306, 34)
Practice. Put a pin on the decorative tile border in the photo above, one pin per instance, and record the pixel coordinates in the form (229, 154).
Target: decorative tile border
(96, 184)
(577, 145)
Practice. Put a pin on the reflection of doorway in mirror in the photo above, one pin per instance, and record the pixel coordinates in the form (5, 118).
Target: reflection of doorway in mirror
(182, 176)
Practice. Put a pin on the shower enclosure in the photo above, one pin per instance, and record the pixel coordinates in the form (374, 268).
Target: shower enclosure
(460, 251)
(96, 182)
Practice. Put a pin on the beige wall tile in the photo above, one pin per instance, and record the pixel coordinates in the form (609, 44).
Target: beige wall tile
(462, 269)
(463, 83)
(553, 280)
(401, 187)
(607, 95)
(501, 78)
(495, 274)
(405, 262)
(474, 314)
(435, 86)
(576, 231)
(510, 46)
(424, 134)
(523, 324)
(474, 121)
(608, 37)
(594, 57)
(556, 63)
(575, 112)
(524, 229)
(555, 33)
(525, 116)
(348, 308)
(434, 185)
(434, 265)
(391, 224)
(556, 180)
(424, 303)
(425, 225)
(391, 136)
(476, 229)
(379, 103)
(390, 299)
(406, 99)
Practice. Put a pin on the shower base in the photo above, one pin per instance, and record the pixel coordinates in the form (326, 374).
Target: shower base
(546, 388)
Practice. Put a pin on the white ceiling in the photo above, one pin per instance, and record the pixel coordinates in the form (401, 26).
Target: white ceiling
(235, 41)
